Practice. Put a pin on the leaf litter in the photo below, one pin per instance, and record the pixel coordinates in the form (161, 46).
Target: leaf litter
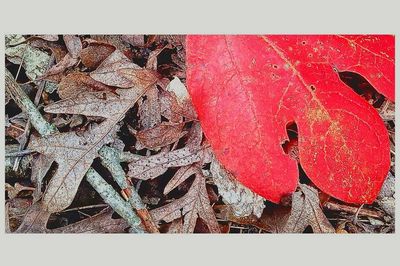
(130, 92)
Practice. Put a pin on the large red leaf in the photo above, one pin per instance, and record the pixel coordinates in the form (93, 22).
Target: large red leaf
(247, 89)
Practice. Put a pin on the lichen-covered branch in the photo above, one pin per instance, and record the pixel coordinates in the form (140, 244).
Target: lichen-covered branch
(111, 159)
(111, 197)
(22, 100)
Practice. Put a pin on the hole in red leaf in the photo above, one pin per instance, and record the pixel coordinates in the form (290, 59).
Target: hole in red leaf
(362, 87)
(290, 146)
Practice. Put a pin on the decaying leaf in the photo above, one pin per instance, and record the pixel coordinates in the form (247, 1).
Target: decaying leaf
(152, 61)
(40, 166)
(77, 82)
(179, 89)
(152, 166)
(99, 223)
(95, 53)
(54, 73)
(134, 40)
(74, 155)
(73, 44)
(242, 200)
(116, 70)
(248, 89)
(35, 220)
(15, 210)
(162, 135)
(149, 109)
(58, 50)
(193, 205)
(13, 191)
(180, 176)
(305, 211)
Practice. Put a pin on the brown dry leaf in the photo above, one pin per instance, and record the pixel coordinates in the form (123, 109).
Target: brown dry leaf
(40, 166)
(95, 53)
(162, 135)
(195, 135)
(179, 89)
(114, 40)
(305, 211)
(194, 204)
(74, 155)
(179, 177)
(57, 49)
(143, 76)
(73, 44)
(169, 107)
(35, 220)
(54, 73)
(77, 82)
(134, 40)
(117, 70)
(149, 109)
(99, 223)
(15, 210)
(273, 219)
(13, 191)
(48, 37)
(152, 61)
(98, 103)
(7, 226)
(152, 166)
(176, 227)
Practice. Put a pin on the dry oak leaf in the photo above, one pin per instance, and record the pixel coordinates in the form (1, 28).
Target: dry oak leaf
(74, 155)
(150, 167)
(95, 53)
(162, 135)
(194, 204)
(99, 223)
(118, 71)
(305, 211)
(77, 82)
(248, 89)
(73, 44)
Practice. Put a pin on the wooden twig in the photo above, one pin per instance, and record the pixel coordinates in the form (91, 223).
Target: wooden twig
(110, 158)
(333, 206)
(19, 153)
(111, 197)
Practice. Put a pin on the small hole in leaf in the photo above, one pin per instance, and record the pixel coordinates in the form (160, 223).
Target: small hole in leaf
(308, 230)
(275, 66)
(290, 146)
(303, 42)
(312, 87)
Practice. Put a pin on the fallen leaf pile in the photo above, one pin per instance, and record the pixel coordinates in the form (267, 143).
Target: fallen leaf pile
(119, 108)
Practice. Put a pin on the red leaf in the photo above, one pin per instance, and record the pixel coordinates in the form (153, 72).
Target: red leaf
(247, 89)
